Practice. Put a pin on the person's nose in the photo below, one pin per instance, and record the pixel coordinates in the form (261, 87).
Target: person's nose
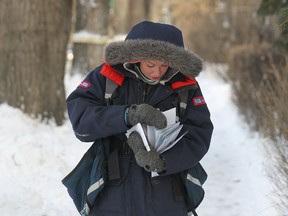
(157, 71)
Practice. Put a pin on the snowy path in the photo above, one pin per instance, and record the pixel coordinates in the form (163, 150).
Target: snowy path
(35, 157)
(237, 184)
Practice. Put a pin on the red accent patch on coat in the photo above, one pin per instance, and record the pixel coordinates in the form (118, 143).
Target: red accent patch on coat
(85, 84)
(112, 74)
(180, 84)
(197, 101)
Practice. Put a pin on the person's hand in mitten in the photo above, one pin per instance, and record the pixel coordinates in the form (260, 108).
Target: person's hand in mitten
(146, 114)
(149, 160)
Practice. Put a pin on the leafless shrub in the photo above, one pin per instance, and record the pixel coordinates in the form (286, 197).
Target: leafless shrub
(212, 27)
(259, 80)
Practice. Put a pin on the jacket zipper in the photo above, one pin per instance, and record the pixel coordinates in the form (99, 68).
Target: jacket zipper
(139, 92)
(142, 92)
(145, 91)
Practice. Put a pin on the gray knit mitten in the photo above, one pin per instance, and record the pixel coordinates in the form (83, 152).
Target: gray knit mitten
(146, 114)
(149, 160)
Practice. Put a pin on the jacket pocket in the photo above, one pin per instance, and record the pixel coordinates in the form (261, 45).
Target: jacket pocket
(163, 197)
(112, 200)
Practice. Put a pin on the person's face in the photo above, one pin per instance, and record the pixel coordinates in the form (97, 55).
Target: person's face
(153, 69)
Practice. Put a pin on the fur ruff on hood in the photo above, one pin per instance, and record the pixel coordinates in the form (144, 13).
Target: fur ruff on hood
(131, 51)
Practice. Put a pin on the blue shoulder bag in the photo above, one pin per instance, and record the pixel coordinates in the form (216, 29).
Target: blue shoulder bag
(86, 180)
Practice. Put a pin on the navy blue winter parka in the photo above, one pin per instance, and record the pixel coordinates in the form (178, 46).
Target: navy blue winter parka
(136, 192)
(92, 119)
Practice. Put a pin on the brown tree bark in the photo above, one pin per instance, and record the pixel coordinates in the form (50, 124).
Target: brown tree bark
(33, 39)
(130, 12)
(92, 18)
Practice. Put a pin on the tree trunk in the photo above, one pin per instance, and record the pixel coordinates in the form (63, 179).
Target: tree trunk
(33, 39)
(93, 18)
(130, 12)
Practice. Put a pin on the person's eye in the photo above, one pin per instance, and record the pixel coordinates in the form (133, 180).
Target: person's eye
(150, 66)
(164, 66)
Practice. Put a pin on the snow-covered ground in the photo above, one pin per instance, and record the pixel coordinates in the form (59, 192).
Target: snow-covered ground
(237, 182)
(36, 156)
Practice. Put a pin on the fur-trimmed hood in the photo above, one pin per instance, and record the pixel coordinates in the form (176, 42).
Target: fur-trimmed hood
(157, 41)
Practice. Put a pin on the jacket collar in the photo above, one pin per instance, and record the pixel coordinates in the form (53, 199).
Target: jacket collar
(166, 78)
